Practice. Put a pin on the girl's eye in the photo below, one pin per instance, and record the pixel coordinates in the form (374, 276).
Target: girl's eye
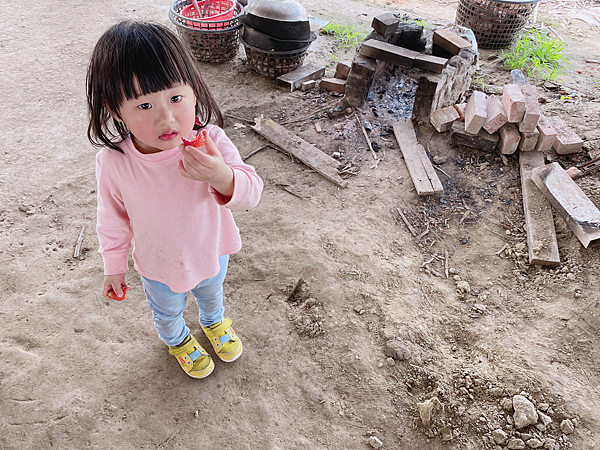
(145, 106)
(176, 98)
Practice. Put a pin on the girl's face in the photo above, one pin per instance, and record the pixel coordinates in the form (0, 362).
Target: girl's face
(159, 120)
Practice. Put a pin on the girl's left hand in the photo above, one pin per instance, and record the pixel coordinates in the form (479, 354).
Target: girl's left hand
(208, 166)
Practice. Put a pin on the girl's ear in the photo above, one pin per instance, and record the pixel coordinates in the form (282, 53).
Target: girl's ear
(114, 115)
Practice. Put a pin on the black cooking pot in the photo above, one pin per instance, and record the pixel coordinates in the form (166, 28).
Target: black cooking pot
(266, 42)
(280, 19)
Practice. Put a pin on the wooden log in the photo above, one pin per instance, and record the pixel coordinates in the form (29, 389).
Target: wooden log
(304, 151)
(577, 210)
(539, 222)
(419, 167)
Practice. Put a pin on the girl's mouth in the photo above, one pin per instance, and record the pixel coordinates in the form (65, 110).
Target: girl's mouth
(168, 136)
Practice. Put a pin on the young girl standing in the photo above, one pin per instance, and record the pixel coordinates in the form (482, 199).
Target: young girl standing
(174, 201)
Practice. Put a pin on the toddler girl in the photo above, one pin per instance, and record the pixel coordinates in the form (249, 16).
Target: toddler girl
(174, 201)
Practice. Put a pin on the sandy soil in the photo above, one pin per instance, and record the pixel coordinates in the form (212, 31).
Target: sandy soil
(79, 372)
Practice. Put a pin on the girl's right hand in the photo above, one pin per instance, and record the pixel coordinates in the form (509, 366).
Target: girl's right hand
(115, 285)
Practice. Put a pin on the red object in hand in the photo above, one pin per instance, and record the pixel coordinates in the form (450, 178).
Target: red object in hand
(113, 295)
(198, 141)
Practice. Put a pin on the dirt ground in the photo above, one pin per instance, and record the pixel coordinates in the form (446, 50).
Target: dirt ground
(326, 277)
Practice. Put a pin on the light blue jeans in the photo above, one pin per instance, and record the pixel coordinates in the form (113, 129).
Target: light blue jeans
(167, 306)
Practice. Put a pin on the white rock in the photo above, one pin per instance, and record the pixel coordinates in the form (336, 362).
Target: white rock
(525, 413)
(534, 443)
(567, 427)
(546, 420)
(499, 436)
(427, 408)
(375, 442)
(515, 444)
(397, 350)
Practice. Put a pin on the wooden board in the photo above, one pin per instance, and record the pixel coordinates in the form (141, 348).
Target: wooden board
(419, 167)
(577, 210)
(539, 222)
(299, 148)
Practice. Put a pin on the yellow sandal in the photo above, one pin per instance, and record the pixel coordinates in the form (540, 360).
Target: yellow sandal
(225, 342)
(192, 358)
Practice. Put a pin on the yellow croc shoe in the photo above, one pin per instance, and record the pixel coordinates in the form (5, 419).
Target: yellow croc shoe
(226, 343)
(192, 358)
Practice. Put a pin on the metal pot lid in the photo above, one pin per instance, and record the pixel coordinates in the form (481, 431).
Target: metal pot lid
(283, 10)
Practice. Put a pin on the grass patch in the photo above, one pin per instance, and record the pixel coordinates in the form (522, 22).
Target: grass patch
(345, 36)
(538, 55)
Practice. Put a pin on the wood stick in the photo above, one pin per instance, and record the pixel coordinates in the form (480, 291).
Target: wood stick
(244, 158)
(79, 242)
(407, 223)
(367, 138)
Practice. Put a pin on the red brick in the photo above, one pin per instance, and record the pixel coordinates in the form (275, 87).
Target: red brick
(450, 41)
(509, 138)
(547, 134)
(333, 85)
(532, 109)
(385, 24)
(342, 70)
(513, 102)
(529, 141)
(475, 112)
(496, 117)
(442, 118)
(566, 141)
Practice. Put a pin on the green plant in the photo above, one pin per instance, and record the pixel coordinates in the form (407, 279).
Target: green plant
(538, 55)
(479, 82)
(345, 36)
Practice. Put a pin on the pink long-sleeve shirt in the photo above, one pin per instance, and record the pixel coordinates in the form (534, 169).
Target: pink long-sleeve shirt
(180, 227)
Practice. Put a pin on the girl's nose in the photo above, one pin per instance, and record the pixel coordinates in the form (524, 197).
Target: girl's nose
(166, 116)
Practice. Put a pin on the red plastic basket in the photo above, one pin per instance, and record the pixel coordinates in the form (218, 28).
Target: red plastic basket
(217, 11)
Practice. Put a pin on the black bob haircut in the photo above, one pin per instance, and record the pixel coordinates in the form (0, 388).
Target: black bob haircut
(146, 53)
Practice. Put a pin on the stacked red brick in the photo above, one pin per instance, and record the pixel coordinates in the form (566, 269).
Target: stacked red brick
(515, 122)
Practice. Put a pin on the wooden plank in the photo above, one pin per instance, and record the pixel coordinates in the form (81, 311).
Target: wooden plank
(419, 167)
(577, 210)
(296, 77)
(539, 222)
(304, 151)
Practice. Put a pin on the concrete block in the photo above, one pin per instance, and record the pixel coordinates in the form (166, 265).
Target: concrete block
(475, 112)
(547, 134)
(363, 67)
(333, 85)
(442, 118)
(513, 102)
(342, 69)
(450, 41)
(532, 109)
(569, 201)
(409, 35)
(389, 53)
(294, 79)
(496, 117)
(529, 141)
(359, 81)
(509, 138)
(483, 140)
(385, 24)
(430, 63)
(566, 141)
